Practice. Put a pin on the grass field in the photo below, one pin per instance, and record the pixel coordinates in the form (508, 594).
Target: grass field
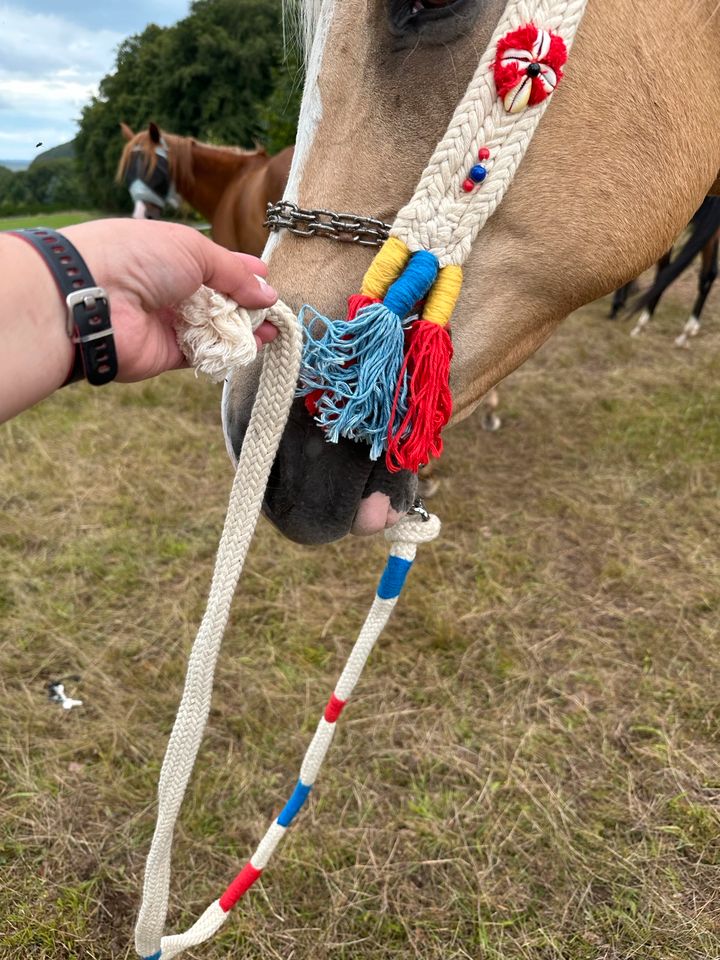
(53, 220)
(530, 768)
(57, 221)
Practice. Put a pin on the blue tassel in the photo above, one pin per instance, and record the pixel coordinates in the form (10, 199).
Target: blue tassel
(357, 363)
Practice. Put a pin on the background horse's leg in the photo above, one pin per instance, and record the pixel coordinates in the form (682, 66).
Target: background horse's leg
(650, 308)
(708, 276)
(490, 419)
(620, 299)
(428, 479)
(428, 482)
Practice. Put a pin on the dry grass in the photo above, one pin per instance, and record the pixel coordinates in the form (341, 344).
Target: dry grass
(530, 770)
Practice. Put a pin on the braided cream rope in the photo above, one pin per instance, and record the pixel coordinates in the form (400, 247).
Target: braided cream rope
(213, 329)
(270, 412)
(440, 217)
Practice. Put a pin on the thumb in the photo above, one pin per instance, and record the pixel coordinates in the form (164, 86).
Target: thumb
(235, 276)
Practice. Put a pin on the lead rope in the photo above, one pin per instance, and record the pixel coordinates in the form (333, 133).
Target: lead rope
(214, 332)
(362, 381)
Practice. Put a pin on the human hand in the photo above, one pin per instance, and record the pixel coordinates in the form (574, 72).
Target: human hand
(147, 268)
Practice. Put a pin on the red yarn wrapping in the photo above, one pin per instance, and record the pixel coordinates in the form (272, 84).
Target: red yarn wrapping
(419, 436)
(355, 303)
(239, 887)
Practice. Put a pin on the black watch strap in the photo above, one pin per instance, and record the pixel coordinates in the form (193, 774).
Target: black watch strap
(89, 325)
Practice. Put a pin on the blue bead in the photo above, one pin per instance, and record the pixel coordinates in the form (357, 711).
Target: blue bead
(478, 173)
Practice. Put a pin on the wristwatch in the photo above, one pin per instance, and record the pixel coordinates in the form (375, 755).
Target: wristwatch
(88, 308)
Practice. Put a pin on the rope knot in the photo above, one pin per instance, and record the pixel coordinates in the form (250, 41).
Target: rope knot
(413, 530)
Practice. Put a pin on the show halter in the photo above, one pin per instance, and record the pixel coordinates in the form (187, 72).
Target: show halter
(381, 376)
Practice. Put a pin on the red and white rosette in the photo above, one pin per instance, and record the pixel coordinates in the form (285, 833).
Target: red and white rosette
(529, 66)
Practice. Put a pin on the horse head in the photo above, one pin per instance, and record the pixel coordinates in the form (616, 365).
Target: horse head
(624, 154)
(146, 170)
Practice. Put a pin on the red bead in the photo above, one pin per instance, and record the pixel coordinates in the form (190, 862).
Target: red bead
(483, 153)
(468, 185)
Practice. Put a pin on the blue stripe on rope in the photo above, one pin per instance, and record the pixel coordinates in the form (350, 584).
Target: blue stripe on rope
(393, 578)
(155, 956)
(294, 804)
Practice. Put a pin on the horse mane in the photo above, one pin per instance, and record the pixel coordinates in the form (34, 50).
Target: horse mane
(300, 20)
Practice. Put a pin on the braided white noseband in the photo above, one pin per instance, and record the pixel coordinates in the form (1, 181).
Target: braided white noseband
(441, 220)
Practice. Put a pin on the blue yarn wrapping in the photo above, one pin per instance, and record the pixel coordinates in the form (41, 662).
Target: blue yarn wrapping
(414, 284)
(357, 363)
(295, 804)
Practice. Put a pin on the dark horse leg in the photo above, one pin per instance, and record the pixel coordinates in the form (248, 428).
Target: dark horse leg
(651, 306)
(620, 299)
(708, 276)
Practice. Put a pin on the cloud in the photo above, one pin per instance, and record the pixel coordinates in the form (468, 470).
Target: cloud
(33, 44)
(52, 58)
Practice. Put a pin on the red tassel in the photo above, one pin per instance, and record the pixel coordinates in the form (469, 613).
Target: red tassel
(412, 442)
(355, 303)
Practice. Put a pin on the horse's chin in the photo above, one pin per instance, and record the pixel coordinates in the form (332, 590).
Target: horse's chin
(319, 492)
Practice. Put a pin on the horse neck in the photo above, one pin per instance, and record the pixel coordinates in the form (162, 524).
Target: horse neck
(213, 168)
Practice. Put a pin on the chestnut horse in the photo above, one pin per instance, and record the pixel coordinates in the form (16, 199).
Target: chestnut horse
(229, 186)
(626, 152)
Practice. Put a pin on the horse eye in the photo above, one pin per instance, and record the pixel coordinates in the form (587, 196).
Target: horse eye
(417, 17)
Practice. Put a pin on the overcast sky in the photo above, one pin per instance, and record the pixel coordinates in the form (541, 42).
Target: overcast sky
(52, 55)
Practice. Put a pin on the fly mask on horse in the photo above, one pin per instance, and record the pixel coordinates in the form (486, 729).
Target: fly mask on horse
(147, 175)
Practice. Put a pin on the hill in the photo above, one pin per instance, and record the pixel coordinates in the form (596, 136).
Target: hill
(64, 151)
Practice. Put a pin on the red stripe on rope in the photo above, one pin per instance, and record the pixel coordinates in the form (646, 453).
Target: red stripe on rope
(239, 887)
(334, 708)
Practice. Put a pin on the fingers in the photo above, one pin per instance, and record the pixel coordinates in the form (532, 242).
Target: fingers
(265, 333)
(235, 275)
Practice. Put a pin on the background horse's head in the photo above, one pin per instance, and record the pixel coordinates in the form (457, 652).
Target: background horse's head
(625, 153)
(147, 169)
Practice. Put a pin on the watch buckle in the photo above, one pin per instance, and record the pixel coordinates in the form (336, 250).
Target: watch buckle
(87, 296)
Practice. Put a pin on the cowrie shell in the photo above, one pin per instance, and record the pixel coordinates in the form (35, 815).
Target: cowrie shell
(518, 98)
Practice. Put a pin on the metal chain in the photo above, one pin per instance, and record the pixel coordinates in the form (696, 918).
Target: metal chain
(342, 227)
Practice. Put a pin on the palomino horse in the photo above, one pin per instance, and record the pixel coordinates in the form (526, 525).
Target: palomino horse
(625, 153)
(229, 186)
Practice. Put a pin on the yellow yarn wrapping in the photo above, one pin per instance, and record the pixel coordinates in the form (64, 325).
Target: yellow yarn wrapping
(385, 268)
(440, 304)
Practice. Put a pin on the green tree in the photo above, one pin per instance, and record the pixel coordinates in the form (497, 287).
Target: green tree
(130, 94)
(217, 75)
(53, 185)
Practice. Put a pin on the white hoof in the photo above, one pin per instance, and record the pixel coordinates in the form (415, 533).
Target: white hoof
(643, 321)
(692, 327)
(491, 422)
(682, 340)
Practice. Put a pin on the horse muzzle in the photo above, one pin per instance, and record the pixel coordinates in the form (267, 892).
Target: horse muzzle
(319, 492)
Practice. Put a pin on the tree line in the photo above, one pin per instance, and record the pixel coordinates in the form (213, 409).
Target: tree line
(52, 184)
(221, 74)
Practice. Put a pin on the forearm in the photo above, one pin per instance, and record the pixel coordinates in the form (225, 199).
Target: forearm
(35, 351)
